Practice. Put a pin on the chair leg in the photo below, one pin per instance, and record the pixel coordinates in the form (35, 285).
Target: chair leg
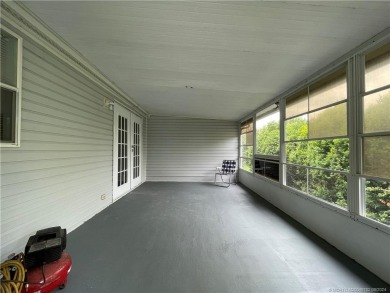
(228, 183)
(235, 178)
(225, 184)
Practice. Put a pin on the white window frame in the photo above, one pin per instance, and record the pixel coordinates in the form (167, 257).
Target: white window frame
(360, 212)
(344, 210)
(243, 145)
(267, 158)
(355, 62)
(17, 90)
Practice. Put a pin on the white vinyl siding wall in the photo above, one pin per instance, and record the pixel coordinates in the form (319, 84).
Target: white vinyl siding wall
(185, 149)
(64, 163)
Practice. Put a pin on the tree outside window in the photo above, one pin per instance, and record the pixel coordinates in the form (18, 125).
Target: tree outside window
(375, 138)
(246, 145)
(316, 141)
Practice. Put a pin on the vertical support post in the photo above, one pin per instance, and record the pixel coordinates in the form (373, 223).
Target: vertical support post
(282, 150)
(355, 82)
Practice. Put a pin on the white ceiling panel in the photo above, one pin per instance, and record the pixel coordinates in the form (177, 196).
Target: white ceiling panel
(236, 56)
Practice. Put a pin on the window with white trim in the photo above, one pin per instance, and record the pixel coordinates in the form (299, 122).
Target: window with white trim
(335, 138)
(246, 145)
(268, 144)
(10, 83)
(375, 136)
(316, 140)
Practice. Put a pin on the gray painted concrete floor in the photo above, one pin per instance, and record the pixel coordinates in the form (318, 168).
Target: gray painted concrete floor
(195, 237)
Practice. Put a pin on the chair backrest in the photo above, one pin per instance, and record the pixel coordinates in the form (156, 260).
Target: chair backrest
(228, 166)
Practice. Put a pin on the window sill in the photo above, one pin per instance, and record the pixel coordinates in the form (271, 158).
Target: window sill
(373, 224)
(364, 220)
(358, 218)
(9, 145)
(267, 178)
(249, 172)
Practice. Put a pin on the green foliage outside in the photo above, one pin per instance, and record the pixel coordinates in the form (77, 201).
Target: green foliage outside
(378, 200)
(377, 159)
(247, 154)
(332, 154)
(246, 164)
(267, 139)
(246, 151)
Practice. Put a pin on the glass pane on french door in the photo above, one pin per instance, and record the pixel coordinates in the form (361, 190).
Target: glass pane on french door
(122, 151)
(122, 142)
(136, 150)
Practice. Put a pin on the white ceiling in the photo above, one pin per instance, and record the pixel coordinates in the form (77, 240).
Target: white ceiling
(235, 55)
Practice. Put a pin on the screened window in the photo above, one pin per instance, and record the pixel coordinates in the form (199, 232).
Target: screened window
(332, 148)
(268, 134)
(268, 144)
(316, 141)
(375, 137)
(10, 89)
(246, 145)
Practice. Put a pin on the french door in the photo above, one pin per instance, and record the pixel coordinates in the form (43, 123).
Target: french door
(127, 151)
(136, 139)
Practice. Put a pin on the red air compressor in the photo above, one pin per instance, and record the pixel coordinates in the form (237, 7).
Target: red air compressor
(48, 277)
(47, 264)
(43, 267)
